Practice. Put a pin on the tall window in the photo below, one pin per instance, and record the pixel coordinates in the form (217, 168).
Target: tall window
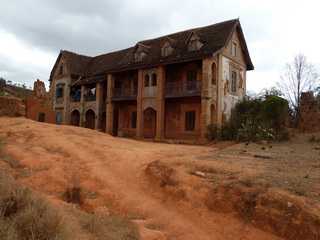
(134, 120)
(58, 118)
(190, 121)
(234, 49)
(214, 74)
(192, 76)
(59, 91)
(154, 80)
(233, 81)
(146, 80)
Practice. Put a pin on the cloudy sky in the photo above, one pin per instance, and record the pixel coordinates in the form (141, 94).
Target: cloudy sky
(32, 32)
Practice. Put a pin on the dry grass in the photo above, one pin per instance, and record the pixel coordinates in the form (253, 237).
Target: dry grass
(24, 216)
(293, 166)
(13, 163)
(110, 227)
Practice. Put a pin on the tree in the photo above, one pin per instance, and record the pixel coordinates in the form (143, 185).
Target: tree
(298, 77)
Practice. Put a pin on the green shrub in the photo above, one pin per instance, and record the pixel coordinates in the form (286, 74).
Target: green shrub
(225, 132)
(262, 118)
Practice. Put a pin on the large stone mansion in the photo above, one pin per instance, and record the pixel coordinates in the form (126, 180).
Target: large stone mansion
(171, 87)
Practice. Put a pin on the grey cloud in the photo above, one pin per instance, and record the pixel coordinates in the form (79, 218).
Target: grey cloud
(11, 71)
(99, 26)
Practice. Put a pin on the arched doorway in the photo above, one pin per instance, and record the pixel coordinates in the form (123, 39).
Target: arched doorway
(75, 118)
(149, 123)
(90, 119)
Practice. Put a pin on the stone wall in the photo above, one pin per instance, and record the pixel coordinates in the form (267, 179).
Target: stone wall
(310, 113)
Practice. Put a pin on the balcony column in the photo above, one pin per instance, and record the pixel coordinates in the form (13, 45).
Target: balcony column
(66, 100)
(160, 100)
(109, 104)
(139, 132)
(205, 98)
(98, 105)
(82, 106)
(220, 93)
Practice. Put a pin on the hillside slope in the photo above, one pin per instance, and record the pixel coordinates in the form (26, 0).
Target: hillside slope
(164, 188)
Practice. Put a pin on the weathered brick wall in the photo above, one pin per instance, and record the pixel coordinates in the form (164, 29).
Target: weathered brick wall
(310, 113)
(12, 107)
(36, 106)
(40, 104)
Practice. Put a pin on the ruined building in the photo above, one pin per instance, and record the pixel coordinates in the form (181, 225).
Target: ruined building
(171, 87)
(39, 104)
(309, 113)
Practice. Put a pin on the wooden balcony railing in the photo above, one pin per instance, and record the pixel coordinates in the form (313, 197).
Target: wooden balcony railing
(90, 98)
(124, 93)
(188, 89)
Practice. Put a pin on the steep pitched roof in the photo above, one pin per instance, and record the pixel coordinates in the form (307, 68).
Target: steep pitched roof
(213, 37)
(76, 63)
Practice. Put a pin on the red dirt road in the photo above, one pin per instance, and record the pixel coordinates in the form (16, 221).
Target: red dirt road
(112, 173)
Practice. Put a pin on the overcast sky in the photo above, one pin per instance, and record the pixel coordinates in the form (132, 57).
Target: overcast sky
(32, 32)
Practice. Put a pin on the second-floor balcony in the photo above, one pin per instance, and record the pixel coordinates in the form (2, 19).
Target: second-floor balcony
(124, 94)
(178, 89)
(90, 98)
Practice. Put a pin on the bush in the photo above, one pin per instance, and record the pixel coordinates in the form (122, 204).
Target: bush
(262, 118)
(108, 227)
(225, 132)
(26, 217)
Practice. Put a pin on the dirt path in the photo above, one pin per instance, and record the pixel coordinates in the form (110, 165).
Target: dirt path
(112, 171)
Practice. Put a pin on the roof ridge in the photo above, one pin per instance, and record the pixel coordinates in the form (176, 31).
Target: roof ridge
(113, 52)
(74, 53)
(189, 30)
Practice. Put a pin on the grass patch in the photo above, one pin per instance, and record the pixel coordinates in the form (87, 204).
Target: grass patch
(108, 227)
(24, 216)
(14, 163)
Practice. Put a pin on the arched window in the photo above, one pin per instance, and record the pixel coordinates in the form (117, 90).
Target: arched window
(146, 80)
(154, 80)
(214, 74)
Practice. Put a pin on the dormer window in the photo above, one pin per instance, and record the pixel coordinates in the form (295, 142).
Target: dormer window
(139, 56)
(141, 52)
(194, 43)
(166, 50)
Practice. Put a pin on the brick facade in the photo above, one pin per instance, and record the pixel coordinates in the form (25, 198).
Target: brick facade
(138, 93)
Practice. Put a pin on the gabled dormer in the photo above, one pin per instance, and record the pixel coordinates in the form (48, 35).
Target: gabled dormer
(141, 52)
(167, 48)
(194, 42)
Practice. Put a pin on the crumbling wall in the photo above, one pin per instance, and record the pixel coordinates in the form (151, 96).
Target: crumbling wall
(39, 105)
(310, 113)
(12, 107)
